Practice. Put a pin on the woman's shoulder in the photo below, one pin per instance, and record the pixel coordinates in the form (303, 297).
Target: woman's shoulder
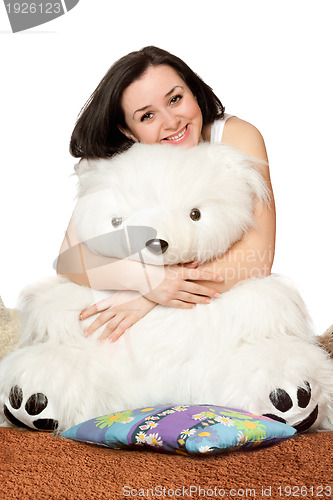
(238, 133)
(245, 137)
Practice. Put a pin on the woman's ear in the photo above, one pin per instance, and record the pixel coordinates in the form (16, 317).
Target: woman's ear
(128, 133)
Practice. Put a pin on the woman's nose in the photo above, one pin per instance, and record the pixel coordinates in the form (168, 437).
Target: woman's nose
(170, 120)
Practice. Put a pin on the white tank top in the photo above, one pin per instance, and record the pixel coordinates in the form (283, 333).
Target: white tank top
(216, 129)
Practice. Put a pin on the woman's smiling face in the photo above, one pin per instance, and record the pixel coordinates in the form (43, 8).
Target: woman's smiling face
(160, 108)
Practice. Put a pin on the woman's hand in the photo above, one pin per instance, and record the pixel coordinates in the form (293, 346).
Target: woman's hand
(120, 312)
(179, 290)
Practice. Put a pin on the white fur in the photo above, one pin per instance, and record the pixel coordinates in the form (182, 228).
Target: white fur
(233, 352)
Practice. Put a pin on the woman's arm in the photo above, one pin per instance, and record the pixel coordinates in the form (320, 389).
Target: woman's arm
(83, 267)
(253, 255)
(169, 284)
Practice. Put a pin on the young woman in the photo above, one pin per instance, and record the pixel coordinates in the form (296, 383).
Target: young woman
(152, 96)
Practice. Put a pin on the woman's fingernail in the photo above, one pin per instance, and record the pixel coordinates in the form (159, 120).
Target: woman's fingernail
(208, 301)
(220, 278)
(81, 316)
(85, 333)
(216, 295)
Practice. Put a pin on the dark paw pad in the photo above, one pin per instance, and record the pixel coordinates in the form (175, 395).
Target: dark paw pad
(34, 405)
(308, 421)
(275, 417)
(16, 397)
(46, 424)
(283, 402)
(304, 395)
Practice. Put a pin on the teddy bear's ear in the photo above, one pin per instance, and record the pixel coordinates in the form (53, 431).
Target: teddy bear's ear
(83, 171)
(83, 167)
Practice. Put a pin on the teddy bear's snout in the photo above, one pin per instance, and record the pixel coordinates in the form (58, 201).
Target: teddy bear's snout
(157, 246)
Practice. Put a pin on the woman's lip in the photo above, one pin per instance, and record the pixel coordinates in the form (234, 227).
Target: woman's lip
(180, 139)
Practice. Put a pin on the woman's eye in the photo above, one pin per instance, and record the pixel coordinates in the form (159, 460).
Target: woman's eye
(195, 214)
(146, 116)
(116, 221)
(175, 99)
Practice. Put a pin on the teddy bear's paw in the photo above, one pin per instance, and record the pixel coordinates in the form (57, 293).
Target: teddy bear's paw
(22, 413)
(295, 410)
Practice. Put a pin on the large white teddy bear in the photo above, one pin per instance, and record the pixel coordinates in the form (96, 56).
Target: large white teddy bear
(253, 348)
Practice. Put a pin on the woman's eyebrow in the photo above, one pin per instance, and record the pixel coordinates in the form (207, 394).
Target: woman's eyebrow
(173, 89)
(141, 109)
(166, 95)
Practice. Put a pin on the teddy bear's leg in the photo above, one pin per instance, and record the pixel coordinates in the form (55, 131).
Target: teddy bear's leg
(52, 387)
(288, 381)
(285, 372)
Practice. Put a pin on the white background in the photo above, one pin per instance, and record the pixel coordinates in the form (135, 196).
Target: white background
(269, 62)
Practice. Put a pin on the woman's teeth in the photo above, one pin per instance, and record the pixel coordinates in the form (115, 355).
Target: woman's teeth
(178, 136)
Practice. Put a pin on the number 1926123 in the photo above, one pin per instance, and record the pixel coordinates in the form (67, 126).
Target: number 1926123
(34, 8)
(305, 491)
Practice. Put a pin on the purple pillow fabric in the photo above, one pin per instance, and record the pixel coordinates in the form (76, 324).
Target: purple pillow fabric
(184, 429)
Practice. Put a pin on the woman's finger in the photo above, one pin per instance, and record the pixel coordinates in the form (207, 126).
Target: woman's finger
(179, 304)
(196, 289)
(100, 321)
(111, 327)
(197, 275)
(124, 325)
(89, 311)
(96, 308)
(192, 298)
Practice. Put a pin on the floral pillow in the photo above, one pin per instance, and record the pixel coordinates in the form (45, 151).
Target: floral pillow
(181, 429)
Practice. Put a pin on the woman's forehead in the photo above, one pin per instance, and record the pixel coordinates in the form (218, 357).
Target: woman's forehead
(156, 83)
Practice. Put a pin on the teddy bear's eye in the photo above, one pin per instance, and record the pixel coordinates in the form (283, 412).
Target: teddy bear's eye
(116, 221)
(195, 214)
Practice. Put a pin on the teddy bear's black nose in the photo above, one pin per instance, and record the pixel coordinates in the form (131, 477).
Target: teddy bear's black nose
(157, 246)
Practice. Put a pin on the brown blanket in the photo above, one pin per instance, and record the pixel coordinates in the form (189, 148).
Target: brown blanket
(41, 466)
